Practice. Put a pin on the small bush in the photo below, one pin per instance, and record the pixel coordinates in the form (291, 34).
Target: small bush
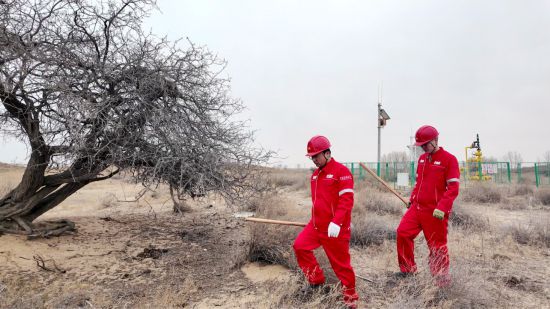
(521, 189)
(109, 200)
(296, 180)
(371, 231)
(516, 203)
(535, 233)
(469, 290)
(377, 202)
(543, 195)
(272, 243)
(481, 193)
(463, 216)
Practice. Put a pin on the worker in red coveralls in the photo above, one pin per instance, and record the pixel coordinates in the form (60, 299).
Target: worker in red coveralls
(329, 227)
(437, 183)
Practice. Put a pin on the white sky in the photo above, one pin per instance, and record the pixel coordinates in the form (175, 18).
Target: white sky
(313, 67)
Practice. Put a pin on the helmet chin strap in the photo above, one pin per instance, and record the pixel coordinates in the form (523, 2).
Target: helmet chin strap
(433, 146)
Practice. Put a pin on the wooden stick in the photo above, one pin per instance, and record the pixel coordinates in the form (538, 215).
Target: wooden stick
(260, 220)
(385, 184)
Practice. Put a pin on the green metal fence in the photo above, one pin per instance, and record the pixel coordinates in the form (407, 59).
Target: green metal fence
(530, 173)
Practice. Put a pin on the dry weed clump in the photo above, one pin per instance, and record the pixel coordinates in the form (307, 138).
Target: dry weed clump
(287, 295)
(468, 290)
(109, 200)
(5, 188)
(543, 195)
(516, 203)
(371, 231)
(465, 218)
(481, 193)
(520, 190)
(536, 233)
(272, 243)
(296, 180)
(377, 202)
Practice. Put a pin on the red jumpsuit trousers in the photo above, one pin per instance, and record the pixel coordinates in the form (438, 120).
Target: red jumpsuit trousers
(337, 250)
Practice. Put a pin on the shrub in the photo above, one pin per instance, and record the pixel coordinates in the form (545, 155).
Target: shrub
(469, 290)
(371, 231)
(294, 179)
(377, 202)
(516, 203)
(521, 189)
(543, 195)
(109, 200)
(536, 233)
(481, 193)
(272, 243)
(464, 217)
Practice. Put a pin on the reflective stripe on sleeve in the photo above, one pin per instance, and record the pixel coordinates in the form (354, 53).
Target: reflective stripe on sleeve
(345, 191)
(453, 180)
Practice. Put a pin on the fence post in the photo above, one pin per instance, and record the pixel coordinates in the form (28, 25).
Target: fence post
(413, 174)
(509, 172)
(518, 169)
(378, 169)
(479, 171)
(536, 175)
(352, 169)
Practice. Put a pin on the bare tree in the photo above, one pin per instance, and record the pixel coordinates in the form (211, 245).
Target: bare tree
(93, 94)
(395, 156)
(546, 156)
(514, 158)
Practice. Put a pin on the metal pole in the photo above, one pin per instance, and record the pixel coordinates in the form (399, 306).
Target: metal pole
(379, 135)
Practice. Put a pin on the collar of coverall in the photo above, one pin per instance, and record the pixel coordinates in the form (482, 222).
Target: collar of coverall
(436, 153)
(328, 164)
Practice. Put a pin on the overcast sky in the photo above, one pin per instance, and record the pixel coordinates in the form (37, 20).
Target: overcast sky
(314, 67)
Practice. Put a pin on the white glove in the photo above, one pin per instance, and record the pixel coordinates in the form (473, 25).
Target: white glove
(333, 230)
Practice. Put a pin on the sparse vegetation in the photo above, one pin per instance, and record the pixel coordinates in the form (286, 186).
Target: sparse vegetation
(368, 231)
(463, 217)
(543, 195)
(497, 253)
(481, 193)
(109, 200)
(295, 180)
(536, 233)
(373, 201)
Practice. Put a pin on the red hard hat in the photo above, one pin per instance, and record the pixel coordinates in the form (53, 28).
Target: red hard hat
(425, 134)
(317, 144)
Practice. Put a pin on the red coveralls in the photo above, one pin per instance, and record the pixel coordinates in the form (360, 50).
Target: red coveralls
(332, 196)
(437, 183)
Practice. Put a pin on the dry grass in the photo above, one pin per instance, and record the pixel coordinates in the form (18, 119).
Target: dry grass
(272, 243)
(287, 295)
(520, 189)
(5, 188)
(536, 233)
(481, 193)
(543, 195)
(374, 201)
(109, 200)
(295, 179)
(468, 290)
(463, 217)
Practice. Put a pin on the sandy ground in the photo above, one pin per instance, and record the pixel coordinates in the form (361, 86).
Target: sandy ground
(129, 253)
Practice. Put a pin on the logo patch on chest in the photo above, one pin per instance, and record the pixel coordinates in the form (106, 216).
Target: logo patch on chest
(437, 162)
(314, 177)
(422, 161)
(329, 176)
